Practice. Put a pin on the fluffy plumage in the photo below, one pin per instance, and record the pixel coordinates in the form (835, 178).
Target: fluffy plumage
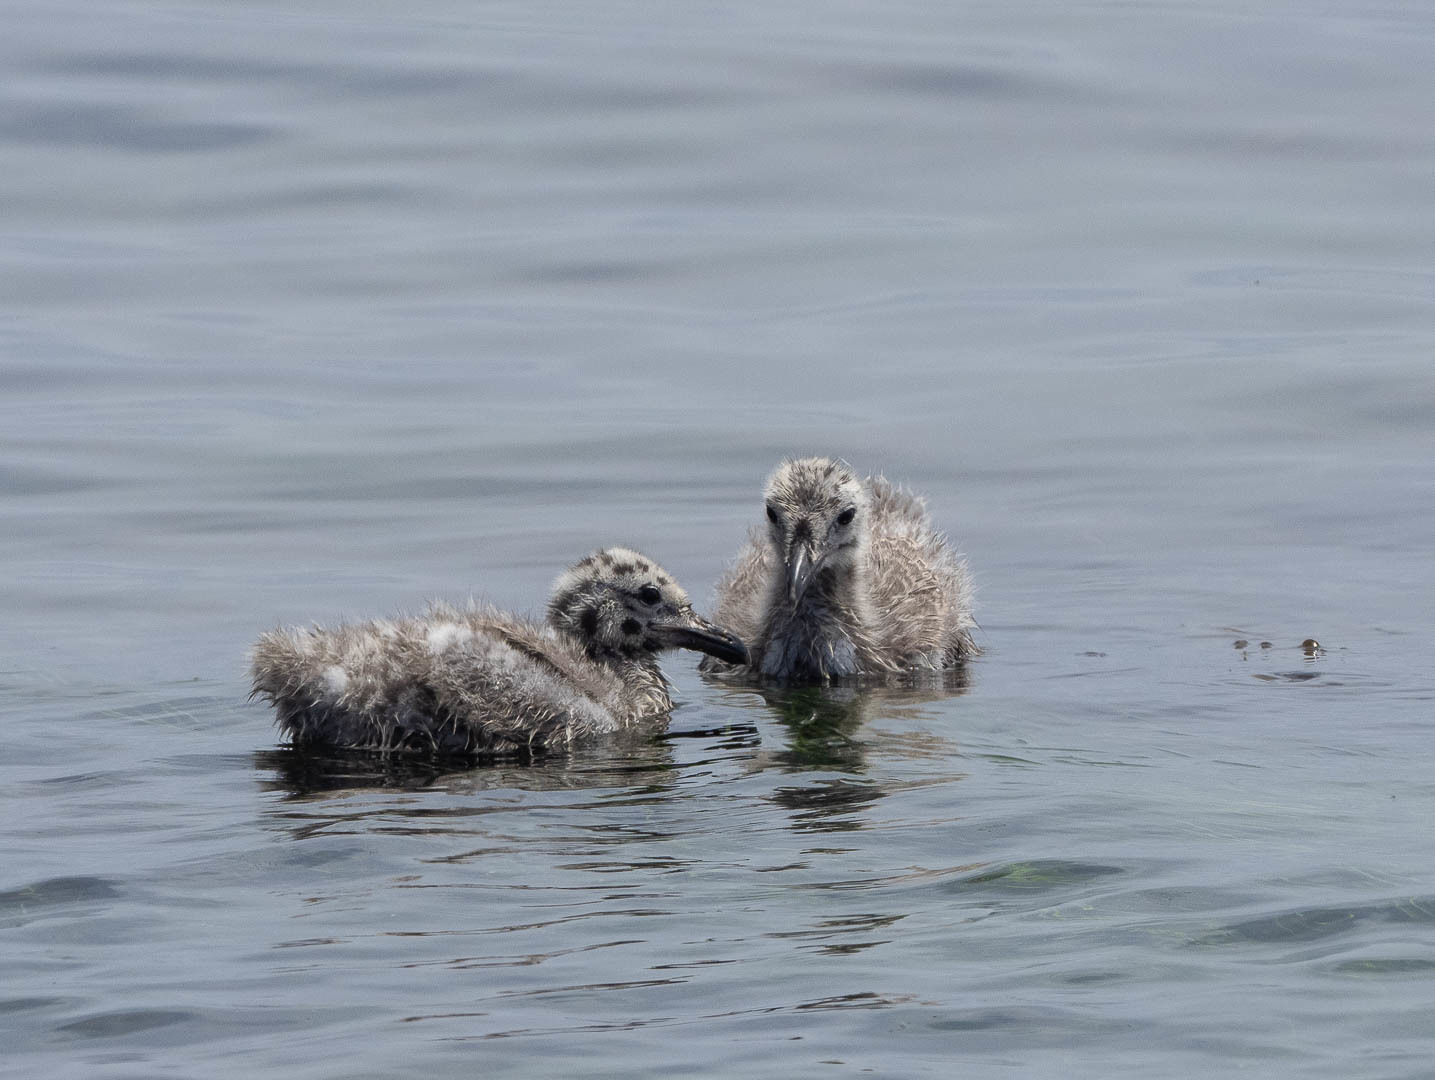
(847, 578)
(479, 680)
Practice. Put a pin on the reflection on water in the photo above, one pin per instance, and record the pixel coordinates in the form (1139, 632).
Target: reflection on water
(831, 729)
(823, 728)
(645, 766)
(302, 772)
(823, 722)
(829, 805)
(829, 732)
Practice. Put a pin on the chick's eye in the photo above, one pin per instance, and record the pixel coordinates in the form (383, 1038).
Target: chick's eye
(845, 518)
(650, 594)
(772, 514)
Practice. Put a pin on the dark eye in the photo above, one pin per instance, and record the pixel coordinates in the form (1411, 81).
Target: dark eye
(650, 594)
(772, 515)
(845, 518)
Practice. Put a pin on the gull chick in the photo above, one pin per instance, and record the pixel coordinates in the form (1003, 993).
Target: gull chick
(481, 681)
(847, 577)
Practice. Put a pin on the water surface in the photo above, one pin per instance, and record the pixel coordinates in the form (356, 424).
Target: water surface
(320, 312)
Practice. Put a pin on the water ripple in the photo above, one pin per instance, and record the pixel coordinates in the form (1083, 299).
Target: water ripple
(1317, 923)
(124, 128)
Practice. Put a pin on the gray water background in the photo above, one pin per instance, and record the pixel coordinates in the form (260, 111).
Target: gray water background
(317, 311)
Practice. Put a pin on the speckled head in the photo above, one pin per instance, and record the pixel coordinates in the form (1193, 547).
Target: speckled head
(620, 603)
(817, 520)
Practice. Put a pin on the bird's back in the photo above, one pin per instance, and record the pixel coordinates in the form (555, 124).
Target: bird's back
(745, 587)
(470, 681)
(919, 588)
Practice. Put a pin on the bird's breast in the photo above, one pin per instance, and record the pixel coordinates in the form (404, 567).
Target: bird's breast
(809, 649)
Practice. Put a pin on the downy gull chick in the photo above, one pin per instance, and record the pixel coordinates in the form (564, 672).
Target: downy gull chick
(848, 578)
(481, 681)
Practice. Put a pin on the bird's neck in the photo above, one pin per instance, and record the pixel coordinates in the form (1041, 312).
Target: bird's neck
(641, 688)
(823, 633)
(645, 690)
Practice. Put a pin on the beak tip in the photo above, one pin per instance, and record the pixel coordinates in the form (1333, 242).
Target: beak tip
(703, 636)
(729, 648)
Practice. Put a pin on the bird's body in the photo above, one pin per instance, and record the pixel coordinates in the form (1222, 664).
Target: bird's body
(481, 681)
(850, 578)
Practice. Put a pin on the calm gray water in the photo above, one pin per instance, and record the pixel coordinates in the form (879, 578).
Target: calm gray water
(316, 311)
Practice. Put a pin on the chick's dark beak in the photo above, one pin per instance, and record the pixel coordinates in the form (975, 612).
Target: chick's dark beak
(801, 562)
(689, 630)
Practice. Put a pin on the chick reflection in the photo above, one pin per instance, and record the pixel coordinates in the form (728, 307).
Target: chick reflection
(306, 773)
(300, 773)
(825, 724)
(831, 729)
(831, 805)
(822, 724)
